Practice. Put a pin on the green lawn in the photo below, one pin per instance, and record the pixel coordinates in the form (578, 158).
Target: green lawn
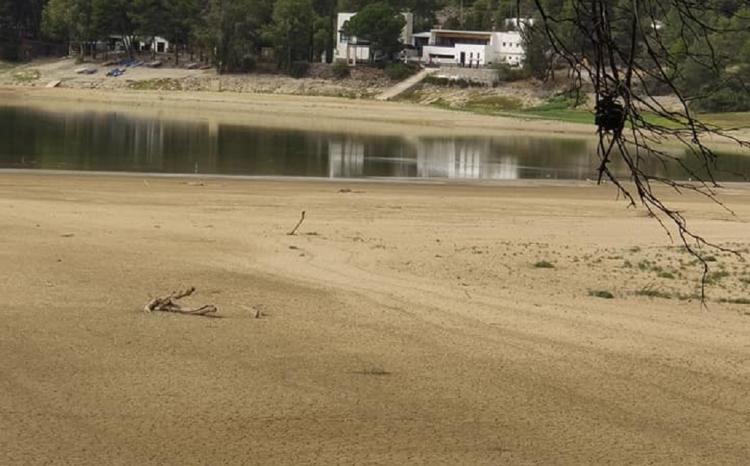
(560, 111)
(728, 120)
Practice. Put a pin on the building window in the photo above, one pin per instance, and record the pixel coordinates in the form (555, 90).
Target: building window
(344, 38)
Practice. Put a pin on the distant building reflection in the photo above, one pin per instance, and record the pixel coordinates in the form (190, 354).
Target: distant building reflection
(346, 159)
(464, 159)
(423, 158)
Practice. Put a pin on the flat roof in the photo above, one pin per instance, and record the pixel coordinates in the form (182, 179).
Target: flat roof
(457, 31)
(462, 34)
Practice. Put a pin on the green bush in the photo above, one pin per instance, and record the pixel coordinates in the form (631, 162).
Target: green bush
(299, 69)
(544, 265)
(450, 82)
(400, 71)
(340, 70)
(507, 73)
(728, 97)
(604, 294)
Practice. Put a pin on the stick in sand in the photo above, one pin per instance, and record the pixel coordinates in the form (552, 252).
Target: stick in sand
(301, 219)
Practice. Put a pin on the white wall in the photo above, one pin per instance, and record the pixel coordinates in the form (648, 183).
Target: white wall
(155, 44)
(504, 47)
(507, 48)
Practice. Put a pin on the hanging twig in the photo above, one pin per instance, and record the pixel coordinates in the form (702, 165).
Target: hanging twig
(301, 219)
(620, 47)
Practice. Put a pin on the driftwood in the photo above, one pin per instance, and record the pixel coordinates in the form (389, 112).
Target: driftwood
(169, 304)
(301, 219)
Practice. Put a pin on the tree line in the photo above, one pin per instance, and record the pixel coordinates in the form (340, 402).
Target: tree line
(712, 65)
(229, 33)
(699, 50)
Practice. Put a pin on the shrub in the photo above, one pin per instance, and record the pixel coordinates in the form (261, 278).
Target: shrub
(400, 71)
(544, 265)
(506, 73)
(651, 293)
(247, 63)
(735, 300)
(340, 70)
(730, 95)
(452, 82)
(715, 277)
(299, 69)
(604, 294)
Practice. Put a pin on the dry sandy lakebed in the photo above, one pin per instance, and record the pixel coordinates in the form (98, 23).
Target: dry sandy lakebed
(405, 323)
(402, 324)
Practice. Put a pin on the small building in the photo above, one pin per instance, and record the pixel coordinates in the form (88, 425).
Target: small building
(118, 43)
(471, 48)
(159, 44)
(354, 50)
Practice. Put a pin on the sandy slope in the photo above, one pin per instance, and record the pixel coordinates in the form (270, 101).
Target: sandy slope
(270, 110)
(405, 324)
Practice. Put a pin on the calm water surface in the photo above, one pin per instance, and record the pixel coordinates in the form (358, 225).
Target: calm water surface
(101, 141)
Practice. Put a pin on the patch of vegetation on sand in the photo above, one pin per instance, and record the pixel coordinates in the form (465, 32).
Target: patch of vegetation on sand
(5, 66)
(494, 104)
(735, 300)
(604, 294)
(543, 264)
(653, 293)
(162, 84)
(26, 76)
(374, 370)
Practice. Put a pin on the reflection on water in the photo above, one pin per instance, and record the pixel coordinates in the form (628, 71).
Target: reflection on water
(117, 142)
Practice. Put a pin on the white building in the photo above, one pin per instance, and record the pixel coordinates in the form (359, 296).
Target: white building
(159, 44)
(118, 42)
(354, 50)
(471, 48)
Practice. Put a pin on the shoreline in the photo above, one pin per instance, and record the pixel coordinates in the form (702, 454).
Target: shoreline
(326, 114)
(307, 112)
(402, 181)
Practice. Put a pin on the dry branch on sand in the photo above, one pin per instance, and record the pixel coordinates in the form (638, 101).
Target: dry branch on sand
(296, 227)
(169, 304)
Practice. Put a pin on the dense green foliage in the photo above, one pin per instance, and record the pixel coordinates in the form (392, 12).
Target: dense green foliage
(290, 33)
(380, 24)
(702, 52)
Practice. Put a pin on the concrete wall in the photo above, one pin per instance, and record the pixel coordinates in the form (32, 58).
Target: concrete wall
(487, 76)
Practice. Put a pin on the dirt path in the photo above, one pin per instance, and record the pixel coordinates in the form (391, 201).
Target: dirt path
(404, 324)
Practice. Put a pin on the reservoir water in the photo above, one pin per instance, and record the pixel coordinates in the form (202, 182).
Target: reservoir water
(114, 141)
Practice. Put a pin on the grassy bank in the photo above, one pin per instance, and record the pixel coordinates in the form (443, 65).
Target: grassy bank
(563, 109)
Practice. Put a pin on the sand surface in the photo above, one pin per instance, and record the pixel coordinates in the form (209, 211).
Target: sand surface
(403, 324)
